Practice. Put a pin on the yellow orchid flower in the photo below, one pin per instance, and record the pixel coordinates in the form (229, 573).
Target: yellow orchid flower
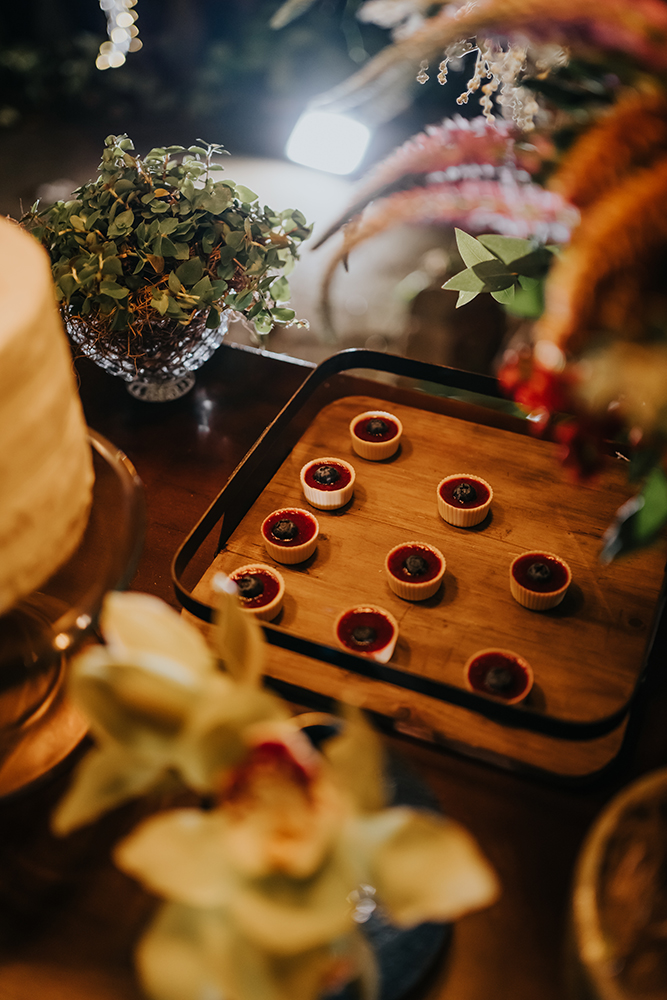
(262, 889)
(158, 707)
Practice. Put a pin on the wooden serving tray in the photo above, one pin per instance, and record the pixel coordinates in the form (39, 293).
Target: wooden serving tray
(587, 654)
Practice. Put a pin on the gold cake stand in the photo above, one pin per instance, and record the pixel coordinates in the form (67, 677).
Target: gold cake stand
(39, 727)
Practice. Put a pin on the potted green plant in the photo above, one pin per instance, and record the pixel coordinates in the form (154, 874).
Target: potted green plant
(151, 256)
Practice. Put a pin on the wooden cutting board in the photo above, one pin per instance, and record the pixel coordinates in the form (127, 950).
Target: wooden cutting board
(586, 655)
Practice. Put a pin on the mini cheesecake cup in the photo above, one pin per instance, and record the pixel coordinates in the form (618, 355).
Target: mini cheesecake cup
(505, 657)
(385, 652)
(289, 553)
(459, 516)
(539, 600)
(328, 499)
(265, 612)
(415, 590)
(375, 451)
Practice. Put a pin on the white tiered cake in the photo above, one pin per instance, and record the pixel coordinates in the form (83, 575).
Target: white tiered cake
(46, 472)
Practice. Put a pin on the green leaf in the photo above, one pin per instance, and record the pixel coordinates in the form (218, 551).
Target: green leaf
(527, 302)
(263, 323)
(203, 287)
(471, 250)
(282, 315)
(122, 224)
(465, 297)
(174, 282)
(77, 223)
(190, 271)
(639, 520)
(112, 265)
(535, 264)
(506, 248)
(235, 239)
(168, 248)
(465, 281)
(213, 319)
(217, 200)
(182, 250)
(245, 194)
(505, 296)
(280, 290)
(160, 302)
(243, 301)
(167, 226)
(113, 290)
(485, 276)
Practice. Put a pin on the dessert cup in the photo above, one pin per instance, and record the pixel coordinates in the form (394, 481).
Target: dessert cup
(459, 510)
(539, 580)
(368, 630)
(290, 535)
(375, 434)
(499, 673)
(266, 604)
(414, 570)
(328, 495)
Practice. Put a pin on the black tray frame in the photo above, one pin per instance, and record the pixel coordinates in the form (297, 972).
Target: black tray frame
(267, 454)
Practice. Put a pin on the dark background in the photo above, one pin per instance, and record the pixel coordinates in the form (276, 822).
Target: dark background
(214, 66)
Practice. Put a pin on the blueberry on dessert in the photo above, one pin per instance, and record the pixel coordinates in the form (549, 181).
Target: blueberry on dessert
(327, 483)
(260, 590)
(290, 535)
(463, 500)
(368, 630)
(539, 580)
(375, 434)
(500, 674)
(414, 570)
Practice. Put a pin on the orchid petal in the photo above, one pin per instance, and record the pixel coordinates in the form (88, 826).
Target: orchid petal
(286, 916)
(180, 855)
(431, 869)
(126, 701)
(216, 734)
(357, 758)
(135, 623)
(103, 780)
(237, 636)
(171, 960)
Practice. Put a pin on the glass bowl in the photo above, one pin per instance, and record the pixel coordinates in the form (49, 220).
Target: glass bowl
(158, 363)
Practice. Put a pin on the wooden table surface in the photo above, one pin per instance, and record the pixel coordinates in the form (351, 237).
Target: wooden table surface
(68, 919)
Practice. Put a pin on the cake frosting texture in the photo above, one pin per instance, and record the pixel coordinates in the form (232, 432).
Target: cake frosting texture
(46, 472)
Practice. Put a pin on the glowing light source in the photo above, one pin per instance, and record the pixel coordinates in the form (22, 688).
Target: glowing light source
(122, 32)
(327, 141)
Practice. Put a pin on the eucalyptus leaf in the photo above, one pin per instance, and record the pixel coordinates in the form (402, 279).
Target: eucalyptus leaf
(190, 271)
(203, 287)
(506, 296)
(639, 520)
(465, 297)
(113, 289)
(485, 276)
(471, 250)
(506, 248)
(280, 290)
(245, 194)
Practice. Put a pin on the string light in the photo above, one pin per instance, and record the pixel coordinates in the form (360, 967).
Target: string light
(122, 31)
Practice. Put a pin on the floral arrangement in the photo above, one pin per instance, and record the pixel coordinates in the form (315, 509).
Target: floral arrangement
(558, 187)
(267, 878)
(158, 238)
